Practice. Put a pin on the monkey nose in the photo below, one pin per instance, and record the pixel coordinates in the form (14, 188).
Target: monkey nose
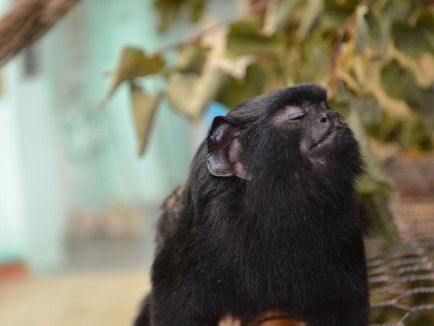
(329, 116)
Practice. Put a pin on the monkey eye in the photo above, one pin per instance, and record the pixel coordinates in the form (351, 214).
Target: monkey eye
(295, 112)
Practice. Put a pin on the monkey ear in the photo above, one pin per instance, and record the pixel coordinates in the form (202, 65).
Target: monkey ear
(224, 150)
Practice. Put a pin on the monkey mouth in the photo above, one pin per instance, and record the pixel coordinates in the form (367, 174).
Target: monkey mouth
(328, 135)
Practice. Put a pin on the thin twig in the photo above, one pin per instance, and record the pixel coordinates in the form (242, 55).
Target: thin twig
(255, 9)
(337, 52)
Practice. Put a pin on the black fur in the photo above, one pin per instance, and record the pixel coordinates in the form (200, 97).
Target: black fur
(280, 235)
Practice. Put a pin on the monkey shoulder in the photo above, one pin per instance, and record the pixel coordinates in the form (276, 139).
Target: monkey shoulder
(172, 209)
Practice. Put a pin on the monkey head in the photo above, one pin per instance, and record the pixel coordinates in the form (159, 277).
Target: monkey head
(280, 134)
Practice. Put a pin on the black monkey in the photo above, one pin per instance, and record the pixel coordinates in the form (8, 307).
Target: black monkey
(266, 220)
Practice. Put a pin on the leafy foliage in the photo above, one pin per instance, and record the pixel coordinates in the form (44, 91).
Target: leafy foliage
(170, 10)
(143, 107)
(375, 57)
(133, 64)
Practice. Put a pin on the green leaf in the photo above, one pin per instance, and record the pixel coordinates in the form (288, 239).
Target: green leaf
(244, 37)
(191, 59)
(422, 101)
(394, 79)
(190, 94)
(387, 129)
(315, 61)
(414, 134)
(170, 10)
(362, 29)
(401, 84)
(413, 40)
(385, 28)
(373, 183)
(313, 12)
(143, 108)
(366, 185)
(278, 15)
(132, 64)
(335, 14)
(399, 9)
(368, 110)
(373, 167)
(196, 8)
(237, 90)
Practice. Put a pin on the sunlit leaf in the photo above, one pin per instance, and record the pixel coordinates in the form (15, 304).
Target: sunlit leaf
(373, 168)
(170, 10)
(362, 29)
(336, 13)
(385, 27)
(421, 68)
(394, 79)
(368, 110)
(373, 185)
(278, 15)
(414, 134)
(315, 60)
(413, 40)
(245, 37)
(132, 64)
(409, 133)
(143, 108)
(196, 8)
(190, 94)
(398, 9)
(422, 100)
(366, 185)
(400, 83)
(236, 67)
(237, 90)
(191, 59)
(313, 12)
(387, 129)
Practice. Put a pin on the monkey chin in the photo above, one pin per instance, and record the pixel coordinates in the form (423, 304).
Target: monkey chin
(320, 153)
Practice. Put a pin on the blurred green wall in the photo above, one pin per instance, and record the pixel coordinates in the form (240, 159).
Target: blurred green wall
(59, 153)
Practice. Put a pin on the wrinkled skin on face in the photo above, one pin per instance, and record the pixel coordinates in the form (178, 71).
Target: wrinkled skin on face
(320, 130)
(287, 128)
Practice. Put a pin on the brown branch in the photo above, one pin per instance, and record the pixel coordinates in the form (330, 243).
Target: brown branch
(27, 21)
(337, 52)
(340, 33)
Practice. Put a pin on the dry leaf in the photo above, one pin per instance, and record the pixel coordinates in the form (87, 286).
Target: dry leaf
(190, 94)
(134, 63)
(143, 107)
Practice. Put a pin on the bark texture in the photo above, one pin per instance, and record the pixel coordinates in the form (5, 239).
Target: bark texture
(27, 21)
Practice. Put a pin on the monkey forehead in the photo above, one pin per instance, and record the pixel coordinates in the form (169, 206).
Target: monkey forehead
(304, 93)
(279, 98)
(268, 105)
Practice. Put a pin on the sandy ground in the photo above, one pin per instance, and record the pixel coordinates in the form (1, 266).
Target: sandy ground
(83, 299)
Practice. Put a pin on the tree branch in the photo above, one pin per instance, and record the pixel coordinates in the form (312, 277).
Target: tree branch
(26, 22)
(255, 9)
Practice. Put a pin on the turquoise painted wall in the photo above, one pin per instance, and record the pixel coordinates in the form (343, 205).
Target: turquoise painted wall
(59, 153)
